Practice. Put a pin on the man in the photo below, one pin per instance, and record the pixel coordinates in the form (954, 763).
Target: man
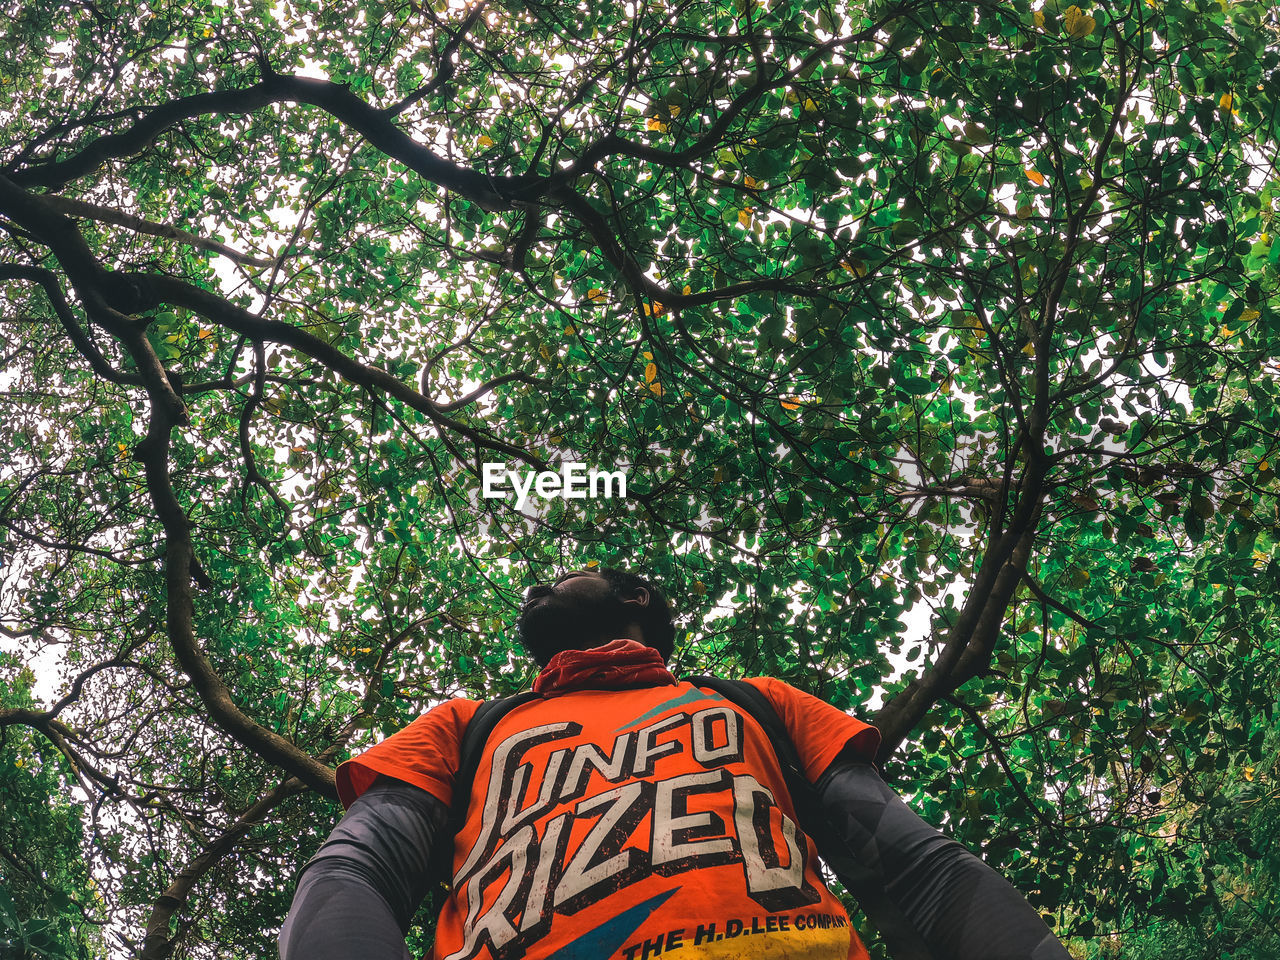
(622, 814)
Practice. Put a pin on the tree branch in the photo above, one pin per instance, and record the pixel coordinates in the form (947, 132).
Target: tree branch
(971, 640)
(153, 451)
(78, 335)
(157, 943)
(91, 211)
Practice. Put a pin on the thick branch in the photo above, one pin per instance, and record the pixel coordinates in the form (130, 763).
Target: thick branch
(491, 193)
(107, 297)
(971, 640)
(335, 99)
(78, 335)
(110, 297)
(42, 720)
(213, 691)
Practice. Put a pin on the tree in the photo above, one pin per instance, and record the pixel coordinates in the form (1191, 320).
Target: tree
(966, 310)
(47, 906)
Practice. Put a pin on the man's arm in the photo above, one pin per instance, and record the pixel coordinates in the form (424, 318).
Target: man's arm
(930, 898)
(357, 895)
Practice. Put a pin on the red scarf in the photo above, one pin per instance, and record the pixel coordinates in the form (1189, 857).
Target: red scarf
(617, 665)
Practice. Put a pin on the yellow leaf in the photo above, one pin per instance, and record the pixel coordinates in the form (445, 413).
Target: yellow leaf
(204, 334)
(1226, 101)
(656, 388)
(675, 111)
(810, 106)
(749, 182)
(484, 141)
(744, 216)
(856, 267)
(719, 476)
(1029, 349)
(1039, 18)
(544, 352)
(122, 447)
(789, 404)
(172, 338)
(18, 762)
(570, 330)
(699, 588)
(298, 449)
(1248, 773)
(647, 355)
(1249, 316)
(653, 123)
(687, 290)
(654, 309)
(1035, 176)
(595, 294)
(1077, 24)
(592, 563)
(650, 373)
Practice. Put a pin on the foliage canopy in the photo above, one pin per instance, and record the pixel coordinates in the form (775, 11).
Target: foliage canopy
(892, 312)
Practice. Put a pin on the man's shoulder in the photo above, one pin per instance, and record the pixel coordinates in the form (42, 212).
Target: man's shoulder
(451, 712)
(423, 753)
(777, 692)
(761, 682)
(819, 731)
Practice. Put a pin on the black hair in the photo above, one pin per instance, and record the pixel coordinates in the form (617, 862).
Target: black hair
(656, 620)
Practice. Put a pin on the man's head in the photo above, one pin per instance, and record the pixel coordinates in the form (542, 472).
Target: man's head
(587, 608)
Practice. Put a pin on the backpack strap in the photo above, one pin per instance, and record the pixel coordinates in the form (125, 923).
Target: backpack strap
(470, 751)
(751, 700)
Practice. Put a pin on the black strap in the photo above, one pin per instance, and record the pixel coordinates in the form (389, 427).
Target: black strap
(748, 697)
(470, 750)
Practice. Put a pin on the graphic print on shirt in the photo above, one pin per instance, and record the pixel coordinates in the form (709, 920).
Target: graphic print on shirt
(521, 873)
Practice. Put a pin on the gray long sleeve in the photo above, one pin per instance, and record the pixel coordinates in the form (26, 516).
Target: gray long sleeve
(930, 898)
(357, 895)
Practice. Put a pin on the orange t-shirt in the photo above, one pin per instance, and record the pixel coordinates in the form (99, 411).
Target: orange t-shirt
(628, 824)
